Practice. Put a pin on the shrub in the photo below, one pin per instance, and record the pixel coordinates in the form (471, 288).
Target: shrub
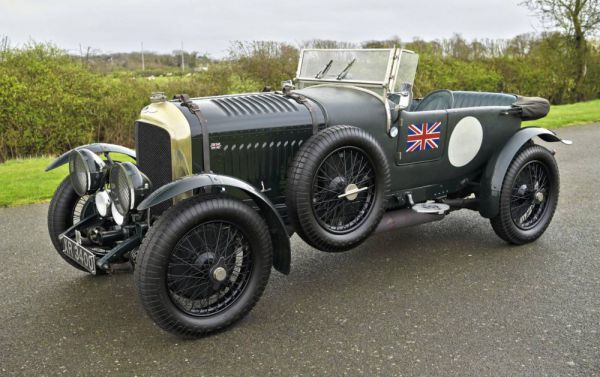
(51, 102)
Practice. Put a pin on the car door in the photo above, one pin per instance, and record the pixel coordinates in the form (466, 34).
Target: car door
(422, 136)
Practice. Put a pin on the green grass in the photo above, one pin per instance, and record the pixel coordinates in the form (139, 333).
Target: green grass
(569, 115)
(23, 181)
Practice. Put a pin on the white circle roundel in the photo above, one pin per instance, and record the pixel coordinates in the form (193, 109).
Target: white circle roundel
(465, 141)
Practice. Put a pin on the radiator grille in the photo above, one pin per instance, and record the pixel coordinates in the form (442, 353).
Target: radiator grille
(153, 148)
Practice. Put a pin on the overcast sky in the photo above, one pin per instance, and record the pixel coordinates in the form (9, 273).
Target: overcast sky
(208, 26)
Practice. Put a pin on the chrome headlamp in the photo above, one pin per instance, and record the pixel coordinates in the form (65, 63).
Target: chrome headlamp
(103, 202)
(127, 187)
(86, 171)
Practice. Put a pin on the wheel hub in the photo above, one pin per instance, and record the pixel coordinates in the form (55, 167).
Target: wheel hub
(351, 192)
(337, 184)
(219, 274)
(539, 197)
(205, 259)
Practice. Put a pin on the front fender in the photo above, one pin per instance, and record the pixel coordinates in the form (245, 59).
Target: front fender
(497, 166)
(281, 241)
(96, 148)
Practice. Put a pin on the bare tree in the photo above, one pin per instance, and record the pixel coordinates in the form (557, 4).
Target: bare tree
(578, 19)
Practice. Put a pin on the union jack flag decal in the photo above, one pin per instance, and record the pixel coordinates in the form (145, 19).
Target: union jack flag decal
(423, 137)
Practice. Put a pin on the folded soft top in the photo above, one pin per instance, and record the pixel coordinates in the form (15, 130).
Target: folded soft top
(527, 108)
(532, 108)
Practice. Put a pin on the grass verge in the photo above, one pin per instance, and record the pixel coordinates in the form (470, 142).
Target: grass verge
(23, 181)
(569, 115)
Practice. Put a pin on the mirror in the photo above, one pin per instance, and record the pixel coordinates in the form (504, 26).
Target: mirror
(403, 97)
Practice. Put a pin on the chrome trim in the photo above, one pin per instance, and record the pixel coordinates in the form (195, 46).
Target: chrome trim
(119, 219)
(103, 202)
(388, 115)
(351, 192)
(393, 75)
(388, 70)
(89, 177)
(167, 116)
(131, 192)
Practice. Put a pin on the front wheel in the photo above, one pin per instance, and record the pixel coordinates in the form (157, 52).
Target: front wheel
(67, 208)
(529, 196)
(337, 188)
(203, 265)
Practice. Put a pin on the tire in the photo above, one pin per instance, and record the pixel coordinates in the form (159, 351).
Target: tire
(532, 164)
(167, 274)
(334, 162)
(62, 213)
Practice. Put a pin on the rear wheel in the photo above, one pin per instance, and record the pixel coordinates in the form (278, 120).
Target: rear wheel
(529, 196)
(67, 208)
(203, 265)
(337, 188)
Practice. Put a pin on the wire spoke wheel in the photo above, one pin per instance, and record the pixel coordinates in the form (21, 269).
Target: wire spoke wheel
(83, 208)
(203, 265)
(529, 195)
(337, 188)
(209, 268)
(343, 190)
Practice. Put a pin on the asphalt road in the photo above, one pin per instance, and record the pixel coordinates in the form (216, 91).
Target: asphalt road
(448, 298)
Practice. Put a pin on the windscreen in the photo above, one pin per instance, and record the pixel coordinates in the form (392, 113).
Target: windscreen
(407, 70)
(346, 65)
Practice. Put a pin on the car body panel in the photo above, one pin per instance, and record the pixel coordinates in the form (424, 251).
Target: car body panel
(497, 166)
(279, 236)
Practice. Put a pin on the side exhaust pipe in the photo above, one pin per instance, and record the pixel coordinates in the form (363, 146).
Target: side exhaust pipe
(403, 218)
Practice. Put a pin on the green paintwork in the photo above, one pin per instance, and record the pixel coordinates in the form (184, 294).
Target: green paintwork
(498, 164)
(281, 241)
(254, 137)
(96, 148)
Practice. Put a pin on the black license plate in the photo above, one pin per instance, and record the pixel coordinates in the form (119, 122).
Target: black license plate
(79, 254)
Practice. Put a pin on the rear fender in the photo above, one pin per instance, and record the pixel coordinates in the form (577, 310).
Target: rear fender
(277, 229)
(96, 148)
(497, 166)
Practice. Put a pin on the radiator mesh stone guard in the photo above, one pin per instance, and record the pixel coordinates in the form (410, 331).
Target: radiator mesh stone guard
(153, 148)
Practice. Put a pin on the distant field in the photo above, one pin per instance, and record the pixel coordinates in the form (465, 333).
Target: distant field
(23, 181)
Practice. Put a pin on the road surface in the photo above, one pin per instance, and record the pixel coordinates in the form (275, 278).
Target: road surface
(448, 298)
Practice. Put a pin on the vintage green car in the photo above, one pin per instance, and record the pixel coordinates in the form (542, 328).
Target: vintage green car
(344, 151)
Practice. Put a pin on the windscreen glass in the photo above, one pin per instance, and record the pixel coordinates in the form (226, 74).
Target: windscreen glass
(346, 65)
(407, 71)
